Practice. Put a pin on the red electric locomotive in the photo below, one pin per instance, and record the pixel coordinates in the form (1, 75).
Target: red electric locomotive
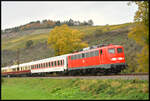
(102, 57)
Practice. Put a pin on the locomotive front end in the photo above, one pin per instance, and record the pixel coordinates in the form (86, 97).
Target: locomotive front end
(116, 57)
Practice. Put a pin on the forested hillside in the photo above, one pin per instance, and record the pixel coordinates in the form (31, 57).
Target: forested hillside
(114, 34)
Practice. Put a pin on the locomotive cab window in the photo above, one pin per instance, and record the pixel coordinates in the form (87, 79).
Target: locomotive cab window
(111, 50)
(119, 50)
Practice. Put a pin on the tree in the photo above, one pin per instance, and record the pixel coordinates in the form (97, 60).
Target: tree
(58, 23)
(85, 23)
(90, 22)
(65, 40)
(29, 43)
(71, 22)
(140, 33)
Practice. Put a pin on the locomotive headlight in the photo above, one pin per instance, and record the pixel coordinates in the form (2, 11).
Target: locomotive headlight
(120, 58)
(113, 59)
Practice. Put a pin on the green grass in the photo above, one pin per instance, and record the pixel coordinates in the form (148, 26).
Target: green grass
(38, 88)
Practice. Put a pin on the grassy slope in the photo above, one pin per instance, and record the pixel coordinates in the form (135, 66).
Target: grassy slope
(38, 88)
(115, 34)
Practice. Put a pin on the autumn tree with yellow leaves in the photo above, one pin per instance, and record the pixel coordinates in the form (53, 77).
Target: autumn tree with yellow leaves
(65, 40)
(140, 33)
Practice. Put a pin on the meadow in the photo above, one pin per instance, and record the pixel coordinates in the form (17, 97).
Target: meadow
(68, 89)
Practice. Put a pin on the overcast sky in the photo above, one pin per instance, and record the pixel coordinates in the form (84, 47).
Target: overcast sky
(102, 13)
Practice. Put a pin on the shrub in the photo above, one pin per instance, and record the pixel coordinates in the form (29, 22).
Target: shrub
(29, 43)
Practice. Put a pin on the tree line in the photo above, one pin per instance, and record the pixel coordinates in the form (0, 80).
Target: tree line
(46, 24)
(140, 33)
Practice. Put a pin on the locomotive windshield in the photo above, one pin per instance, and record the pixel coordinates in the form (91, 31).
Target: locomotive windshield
(111, 50)
(119, 50)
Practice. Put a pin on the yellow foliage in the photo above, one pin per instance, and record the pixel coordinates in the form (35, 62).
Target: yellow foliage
(143, 60)
(140, 33)
(65, 40)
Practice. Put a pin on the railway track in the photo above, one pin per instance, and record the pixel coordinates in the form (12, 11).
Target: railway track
(140, 76)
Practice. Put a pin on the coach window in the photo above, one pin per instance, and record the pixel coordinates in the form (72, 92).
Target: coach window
(52, 64)
(119, 50)
(58, 63)
(111, 50)
(49, 64)
(55, 63)
(18, 69)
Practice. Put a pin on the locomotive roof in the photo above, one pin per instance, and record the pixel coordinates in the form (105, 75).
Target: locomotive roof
(109, 46)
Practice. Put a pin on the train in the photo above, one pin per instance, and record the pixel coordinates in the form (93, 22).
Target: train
(95, 59)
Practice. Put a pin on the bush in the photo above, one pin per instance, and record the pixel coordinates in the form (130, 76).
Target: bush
(29, 43)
